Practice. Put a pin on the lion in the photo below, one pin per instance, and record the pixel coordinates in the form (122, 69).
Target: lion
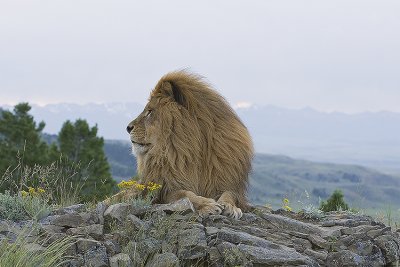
(189, 140)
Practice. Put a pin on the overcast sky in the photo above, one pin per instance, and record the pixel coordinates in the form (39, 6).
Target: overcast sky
(329, 55)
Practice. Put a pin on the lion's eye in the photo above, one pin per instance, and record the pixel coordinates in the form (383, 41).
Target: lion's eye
(148, 113)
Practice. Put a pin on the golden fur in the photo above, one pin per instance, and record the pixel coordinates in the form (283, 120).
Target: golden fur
(191, 141)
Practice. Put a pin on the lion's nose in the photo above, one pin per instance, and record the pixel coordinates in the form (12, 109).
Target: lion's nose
(129, 128)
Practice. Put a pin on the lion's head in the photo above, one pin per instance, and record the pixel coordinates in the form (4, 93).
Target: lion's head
(189, 138)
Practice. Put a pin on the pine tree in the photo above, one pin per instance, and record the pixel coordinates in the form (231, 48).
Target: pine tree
(20, 140)
(334, 203)
(80, 143)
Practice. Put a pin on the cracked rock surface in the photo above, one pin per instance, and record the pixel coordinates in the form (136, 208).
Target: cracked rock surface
(173, 235)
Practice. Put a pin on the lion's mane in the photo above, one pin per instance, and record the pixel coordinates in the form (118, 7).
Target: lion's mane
(202, 145)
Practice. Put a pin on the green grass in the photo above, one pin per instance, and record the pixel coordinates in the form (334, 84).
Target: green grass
(22, 254)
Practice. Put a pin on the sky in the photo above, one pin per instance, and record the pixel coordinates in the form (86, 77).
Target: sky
(328, 55)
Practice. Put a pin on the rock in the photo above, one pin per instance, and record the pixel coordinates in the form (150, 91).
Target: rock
(89, 218)
(136, 223)
(53, 229)
(301, 244)
(214, 257)
(70, 209)
(96, 257)
(140, 251)
(231, 255)
(292, 224)
(362, 248)
(320, 256)
(100, 209)
(348, 258)
(389, 248)
(318, 241)
(212, 230)
(84, 244)
(359, 229)
(112, 247)
(117, 212)
(192, 244)
(120, 260)
(182, 206)
(172, 235)
(164, 260)
(76, 261)
(236, 237)
(68, 220)
(95, 231)
(271, 257)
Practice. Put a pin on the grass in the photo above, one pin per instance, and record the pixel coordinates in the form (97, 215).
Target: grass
(58, 180)
(33, 192)
(389, 216)
(22, 254)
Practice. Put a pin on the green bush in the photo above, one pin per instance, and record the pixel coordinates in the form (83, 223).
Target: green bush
(18, 207)
(334, 203)
(12, 207)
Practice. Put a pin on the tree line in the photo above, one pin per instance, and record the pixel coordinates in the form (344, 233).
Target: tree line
(21, 144)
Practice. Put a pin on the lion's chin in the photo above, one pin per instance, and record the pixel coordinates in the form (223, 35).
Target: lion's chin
(140, 149)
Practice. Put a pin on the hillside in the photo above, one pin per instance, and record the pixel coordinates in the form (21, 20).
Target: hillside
(275, 177)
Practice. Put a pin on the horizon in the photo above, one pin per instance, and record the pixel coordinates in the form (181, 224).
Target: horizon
(235, 106)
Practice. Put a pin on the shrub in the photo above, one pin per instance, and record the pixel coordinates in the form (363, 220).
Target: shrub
(334, 203)
(23, 206)
(12, 207)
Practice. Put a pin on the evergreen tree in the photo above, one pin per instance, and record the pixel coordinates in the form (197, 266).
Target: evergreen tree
(334, 203)
(80, 144)
(20, 140)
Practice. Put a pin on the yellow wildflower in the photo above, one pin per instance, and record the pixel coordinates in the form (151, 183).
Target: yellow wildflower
(286, 204)
(153, 186)
(24, 193)
(140, 186)
(287, 208)
(40, 190)
(126, 184)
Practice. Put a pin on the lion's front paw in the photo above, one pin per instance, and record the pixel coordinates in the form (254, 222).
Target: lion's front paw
(231, 210)
(210, 207)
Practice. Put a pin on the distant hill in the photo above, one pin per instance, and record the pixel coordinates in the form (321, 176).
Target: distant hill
(275, 177)
(122, 162)
(369, 139)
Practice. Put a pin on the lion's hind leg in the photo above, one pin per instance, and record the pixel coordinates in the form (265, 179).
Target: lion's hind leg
(227, 200)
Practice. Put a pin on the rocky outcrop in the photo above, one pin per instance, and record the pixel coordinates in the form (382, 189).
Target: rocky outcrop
(173, 235)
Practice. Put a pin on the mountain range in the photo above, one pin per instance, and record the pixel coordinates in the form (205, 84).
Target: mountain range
(371, 139)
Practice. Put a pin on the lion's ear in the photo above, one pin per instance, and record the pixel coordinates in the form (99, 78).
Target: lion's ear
(173, 91)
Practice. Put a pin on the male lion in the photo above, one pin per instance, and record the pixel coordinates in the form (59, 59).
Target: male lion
(190, 140)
